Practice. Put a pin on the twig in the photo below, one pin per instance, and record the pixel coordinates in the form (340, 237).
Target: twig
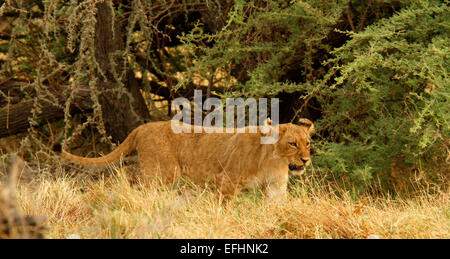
(7, 115)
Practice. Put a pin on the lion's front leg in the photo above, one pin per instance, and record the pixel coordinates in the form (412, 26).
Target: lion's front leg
(226, 186)
(276, 188)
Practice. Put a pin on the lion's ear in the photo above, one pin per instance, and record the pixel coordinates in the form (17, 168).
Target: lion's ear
(307, 124)
(268, 129)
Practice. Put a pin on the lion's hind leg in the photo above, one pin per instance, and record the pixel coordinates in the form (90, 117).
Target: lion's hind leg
(167, 171)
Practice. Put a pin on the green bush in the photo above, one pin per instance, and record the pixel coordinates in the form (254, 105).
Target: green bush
(261, 44)
(386, 99)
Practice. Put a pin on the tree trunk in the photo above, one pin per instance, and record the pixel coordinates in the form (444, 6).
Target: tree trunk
(118, 110)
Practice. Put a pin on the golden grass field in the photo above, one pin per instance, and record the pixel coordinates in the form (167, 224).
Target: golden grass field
(116, 206)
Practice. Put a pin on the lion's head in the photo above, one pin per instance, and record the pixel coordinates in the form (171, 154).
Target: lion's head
(294, 144)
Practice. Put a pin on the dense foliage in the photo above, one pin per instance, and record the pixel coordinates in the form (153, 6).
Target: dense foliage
(386, 98)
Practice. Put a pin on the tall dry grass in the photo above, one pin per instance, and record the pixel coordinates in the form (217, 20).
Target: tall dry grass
(116, 207)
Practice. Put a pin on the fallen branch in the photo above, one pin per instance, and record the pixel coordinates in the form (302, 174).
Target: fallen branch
(15, 118)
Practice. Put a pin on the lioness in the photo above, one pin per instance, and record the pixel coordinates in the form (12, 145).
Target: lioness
(230, 161)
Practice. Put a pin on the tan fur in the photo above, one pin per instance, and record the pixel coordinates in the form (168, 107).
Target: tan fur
(231, 162)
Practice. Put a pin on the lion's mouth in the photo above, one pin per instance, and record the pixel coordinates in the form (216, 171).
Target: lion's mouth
(294, 167)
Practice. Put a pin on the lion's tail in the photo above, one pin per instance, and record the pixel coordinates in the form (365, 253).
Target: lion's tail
(122, 150)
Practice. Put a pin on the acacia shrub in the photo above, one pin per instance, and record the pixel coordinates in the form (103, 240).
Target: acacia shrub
(385, 100)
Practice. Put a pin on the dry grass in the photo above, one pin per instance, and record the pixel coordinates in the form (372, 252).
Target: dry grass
(115, 207)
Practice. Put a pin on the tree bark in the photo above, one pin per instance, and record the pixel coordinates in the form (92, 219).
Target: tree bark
(118, 110)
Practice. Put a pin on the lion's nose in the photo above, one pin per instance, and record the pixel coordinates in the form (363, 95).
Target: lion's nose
(304, 160)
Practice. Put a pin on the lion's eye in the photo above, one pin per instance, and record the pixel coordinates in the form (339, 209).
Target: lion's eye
(293, 144)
